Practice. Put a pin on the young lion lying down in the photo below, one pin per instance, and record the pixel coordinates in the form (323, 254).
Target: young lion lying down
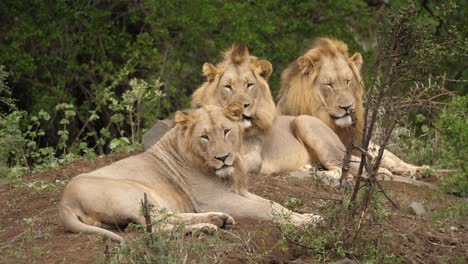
(195, 171)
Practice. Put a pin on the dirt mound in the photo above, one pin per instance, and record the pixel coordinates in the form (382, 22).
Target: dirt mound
(30, 230)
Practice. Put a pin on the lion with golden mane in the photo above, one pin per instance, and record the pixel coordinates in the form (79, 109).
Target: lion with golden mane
(325, 82)
(272, 143)
(194, 171)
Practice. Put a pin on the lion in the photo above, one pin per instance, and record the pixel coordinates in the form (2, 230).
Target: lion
(325, 82)
(195, 171)
(271, 143)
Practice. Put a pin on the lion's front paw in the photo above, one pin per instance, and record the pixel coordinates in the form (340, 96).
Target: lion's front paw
(314, 218)
(221, 220)
(304, 219)
(414, 172)
(330, 177)
(423, 171)
(200, 229)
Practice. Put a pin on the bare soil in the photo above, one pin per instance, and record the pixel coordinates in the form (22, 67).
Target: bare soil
(30, 231)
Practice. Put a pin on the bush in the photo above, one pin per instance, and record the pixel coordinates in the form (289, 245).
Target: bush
(453, 127)
(22, 135)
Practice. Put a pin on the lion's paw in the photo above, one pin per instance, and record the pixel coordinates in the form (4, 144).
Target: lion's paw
(200, 229)
(306, 167)
(221, 220)
(304, 219)
(314, 218)
(330, 177)
(414, 172)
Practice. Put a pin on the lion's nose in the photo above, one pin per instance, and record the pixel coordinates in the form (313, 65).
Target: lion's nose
(246, 105)
(222, 158)
(346, 108)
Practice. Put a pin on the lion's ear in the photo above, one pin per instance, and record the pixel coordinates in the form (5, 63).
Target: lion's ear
(184, 118)
(234, 110)
(356, 59)
(209, 71)
(265, 68)
(308, 61)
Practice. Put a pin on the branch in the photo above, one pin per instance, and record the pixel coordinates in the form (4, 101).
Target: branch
(386, 196)
(347, 157)
(294, 241)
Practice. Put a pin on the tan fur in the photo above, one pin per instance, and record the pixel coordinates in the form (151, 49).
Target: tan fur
(300, 91)
(271, 143)
(195, 171)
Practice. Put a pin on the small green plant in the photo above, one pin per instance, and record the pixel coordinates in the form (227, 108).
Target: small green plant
(455, 211)
(41, 185)
(28, 221)
(293, 203)
(164, 244)
(68, 115)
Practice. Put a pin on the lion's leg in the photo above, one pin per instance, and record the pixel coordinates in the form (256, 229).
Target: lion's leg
(193, 224)
(324, 147)
(395, 165)
(282, 215)
(218, 219)
(182, 229)
(321, 142)
(252, 206)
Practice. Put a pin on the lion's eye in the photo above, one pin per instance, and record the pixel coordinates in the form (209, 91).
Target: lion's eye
(348, 82)
(228, 87)
(329, 85)
(205, 137)
(249, 85)
(226, 131)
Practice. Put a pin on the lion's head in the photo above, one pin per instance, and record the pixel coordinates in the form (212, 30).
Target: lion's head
(211, 137)
(240, 77)
(325, 82)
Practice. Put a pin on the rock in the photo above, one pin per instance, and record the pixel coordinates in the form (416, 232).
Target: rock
(418, 209)
(155, 133)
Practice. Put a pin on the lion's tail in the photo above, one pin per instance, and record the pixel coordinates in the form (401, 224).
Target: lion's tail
(73, 224)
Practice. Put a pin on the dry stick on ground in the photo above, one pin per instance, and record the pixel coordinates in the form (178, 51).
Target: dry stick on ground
(106, 253)
(386, 195)
(147, 213)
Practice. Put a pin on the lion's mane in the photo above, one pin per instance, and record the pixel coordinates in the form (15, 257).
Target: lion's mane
(296, 95)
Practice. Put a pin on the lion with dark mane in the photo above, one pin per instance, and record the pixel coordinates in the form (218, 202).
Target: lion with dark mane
(325, 82)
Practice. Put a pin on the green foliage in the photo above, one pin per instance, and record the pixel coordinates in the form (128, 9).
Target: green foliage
(444, 144)
(41, 185)
(454, 211)
(422, 47)
(167, 244)
(293, 203)
(453, 127)
(338, 237)
(22, 135)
